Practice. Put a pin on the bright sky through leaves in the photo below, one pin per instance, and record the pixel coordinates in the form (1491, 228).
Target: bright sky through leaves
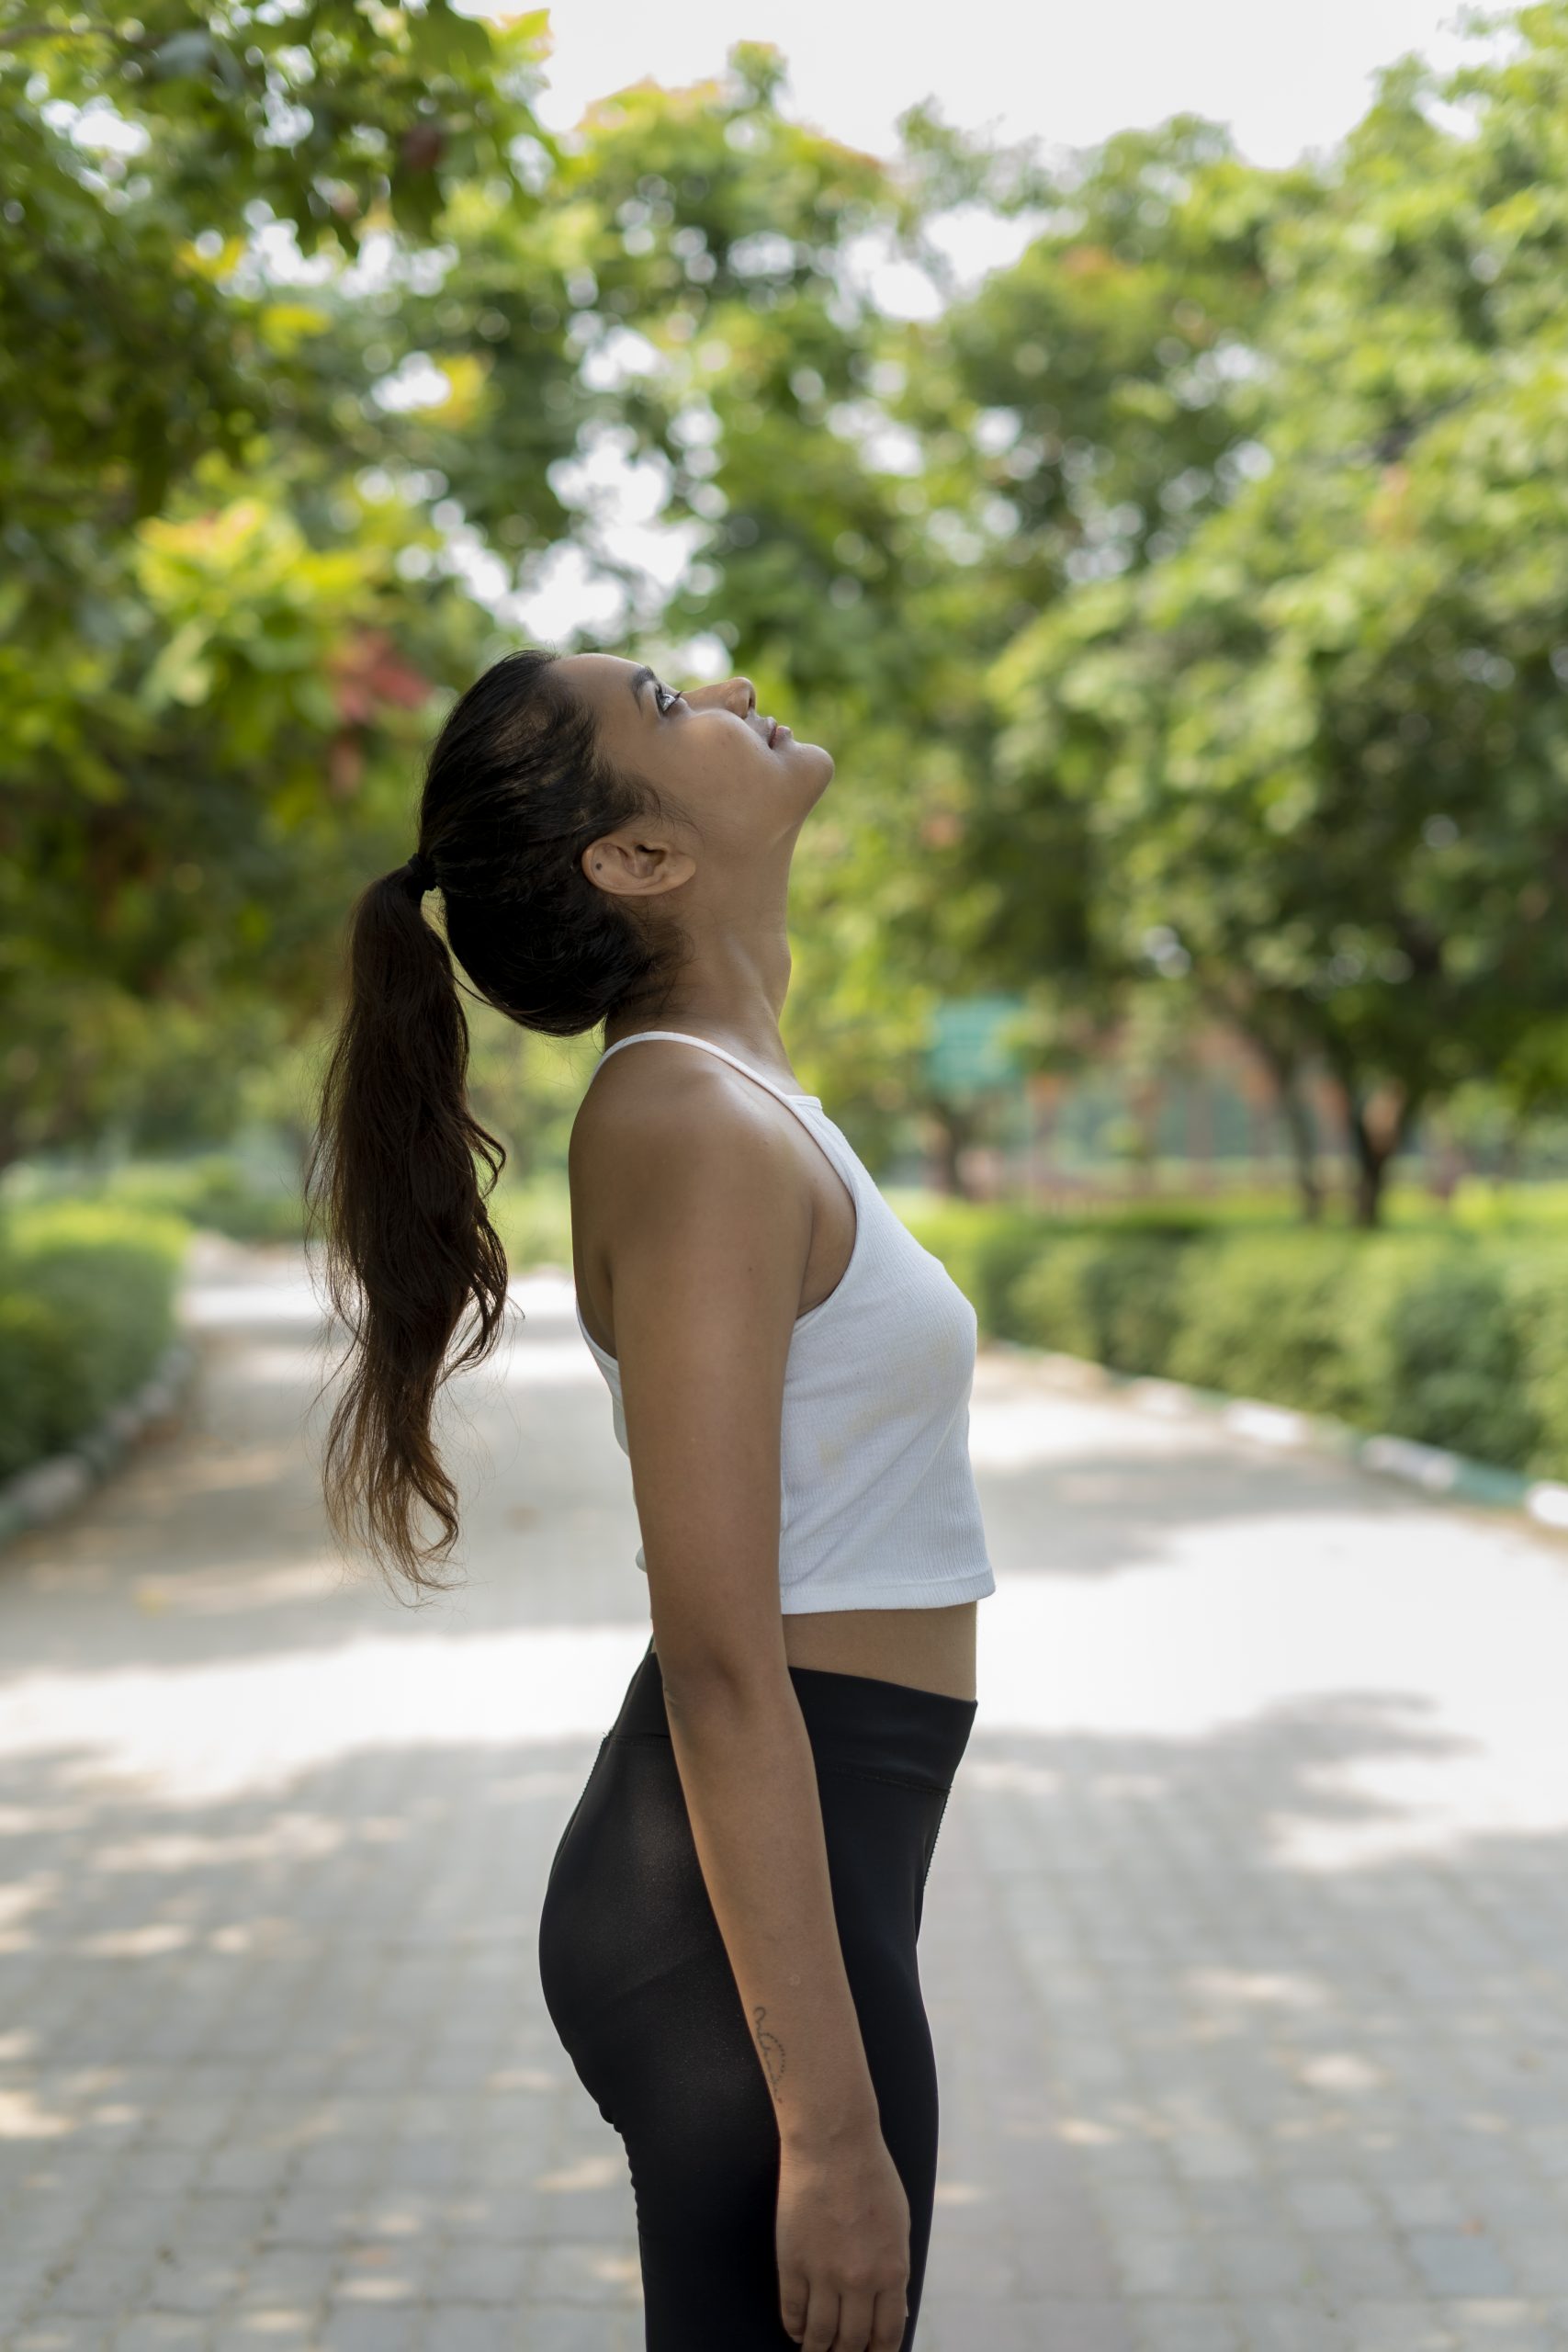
(1284, 75)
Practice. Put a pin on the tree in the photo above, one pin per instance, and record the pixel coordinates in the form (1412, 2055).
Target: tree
(227, 608)
(1180, 607)
(1312, 764)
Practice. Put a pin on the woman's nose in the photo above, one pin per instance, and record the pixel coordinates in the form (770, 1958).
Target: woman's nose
(748, 694)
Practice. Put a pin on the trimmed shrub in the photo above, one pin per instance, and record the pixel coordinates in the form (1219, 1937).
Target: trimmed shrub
(1453, 1361)
(1114, 1297)
(1457, 1338)
(1275, 1318)
(216, 1191)
(86, 1307)
(1538, 1297)
(40, 1376)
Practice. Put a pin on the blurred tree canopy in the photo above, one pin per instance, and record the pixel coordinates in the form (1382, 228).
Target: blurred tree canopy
(1181, 604)
(1313, 763)
(216, 648)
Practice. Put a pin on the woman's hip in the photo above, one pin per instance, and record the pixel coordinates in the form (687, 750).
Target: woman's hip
(626, 1916)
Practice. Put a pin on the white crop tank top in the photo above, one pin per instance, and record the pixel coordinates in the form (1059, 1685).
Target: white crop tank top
(878, 1504)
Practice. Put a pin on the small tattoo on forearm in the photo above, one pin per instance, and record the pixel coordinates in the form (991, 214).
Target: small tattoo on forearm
(771, 2048)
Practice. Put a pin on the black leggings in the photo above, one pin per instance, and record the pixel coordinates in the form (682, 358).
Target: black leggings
(640, 1988)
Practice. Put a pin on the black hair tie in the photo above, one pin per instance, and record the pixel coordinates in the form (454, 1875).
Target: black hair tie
(421, 873)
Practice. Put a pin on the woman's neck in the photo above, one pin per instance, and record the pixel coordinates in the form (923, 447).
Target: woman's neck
(736, 1004)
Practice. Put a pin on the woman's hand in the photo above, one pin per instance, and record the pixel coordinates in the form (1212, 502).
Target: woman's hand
(844, 2247)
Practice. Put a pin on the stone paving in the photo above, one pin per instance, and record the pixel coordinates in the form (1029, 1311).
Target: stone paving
(1246, 1939)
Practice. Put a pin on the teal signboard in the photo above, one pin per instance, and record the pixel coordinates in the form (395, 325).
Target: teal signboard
(965, 1056)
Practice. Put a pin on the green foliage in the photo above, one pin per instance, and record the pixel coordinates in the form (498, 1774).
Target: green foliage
(1112, 1297)
(215, 1192)
(41, 1380)
(1538, 1288)
(1483, 1205)
(1454, 1349)
(1455, 1339)
(1182, 606)
(534, 1221)
(1307, 765)
(226, 625)
(86, 1307)
(1277, 1318)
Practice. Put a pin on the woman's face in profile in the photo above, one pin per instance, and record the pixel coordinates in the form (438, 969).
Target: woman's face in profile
(737, 773)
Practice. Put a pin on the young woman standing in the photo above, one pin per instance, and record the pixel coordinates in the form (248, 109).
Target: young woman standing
(728, 1943)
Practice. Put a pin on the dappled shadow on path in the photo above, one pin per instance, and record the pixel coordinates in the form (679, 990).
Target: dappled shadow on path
(1244, 1941)
(1294, 1996)
(1212, 1979)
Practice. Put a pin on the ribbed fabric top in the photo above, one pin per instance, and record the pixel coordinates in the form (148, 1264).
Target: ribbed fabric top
(878, 1505)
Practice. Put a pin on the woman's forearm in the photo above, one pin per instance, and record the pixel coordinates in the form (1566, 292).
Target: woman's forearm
(749, 1782)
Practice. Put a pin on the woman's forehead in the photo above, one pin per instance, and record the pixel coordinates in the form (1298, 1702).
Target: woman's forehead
(600, 676)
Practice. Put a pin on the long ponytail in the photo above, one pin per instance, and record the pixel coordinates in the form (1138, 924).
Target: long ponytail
(396, 1197)
(515, 794)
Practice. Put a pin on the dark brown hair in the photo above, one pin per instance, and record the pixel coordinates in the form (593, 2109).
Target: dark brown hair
(515, 792)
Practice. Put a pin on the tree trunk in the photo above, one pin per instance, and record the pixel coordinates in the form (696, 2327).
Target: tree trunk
(1366, 1197)
(1377, 1125)
(1284, 1069)
(1297, 1113)
(955, 1130)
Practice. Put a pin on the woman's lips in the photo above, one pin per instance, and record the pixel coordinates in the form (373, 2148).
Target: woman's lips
(778, 734)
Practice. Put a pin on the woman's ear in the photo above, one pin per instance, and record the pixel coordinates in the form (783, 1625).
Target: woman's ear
(631, 868)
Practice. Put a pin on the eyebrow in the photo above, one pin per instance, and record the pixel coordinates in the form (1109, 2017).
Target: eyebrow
(638, 679)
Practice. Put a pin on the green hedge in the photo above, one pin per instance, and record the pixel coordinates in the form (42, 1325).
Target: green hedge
(87, 1297)
(1458, 1340)
(217, 1192)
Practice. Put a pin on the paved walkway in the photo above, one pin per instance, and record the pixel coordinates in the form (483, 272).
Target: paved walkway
(1245, 1946)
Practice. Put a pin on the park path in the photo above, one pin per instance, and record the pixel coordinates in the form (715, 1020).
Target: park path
(1246, 1939)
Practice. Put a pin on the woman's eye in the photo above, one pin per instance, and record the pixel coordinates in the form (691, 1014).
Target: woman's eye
(661, 692)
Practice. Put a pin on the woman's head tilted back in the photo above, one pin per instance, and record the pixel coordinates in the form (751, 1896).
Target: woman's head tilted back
(563, 803)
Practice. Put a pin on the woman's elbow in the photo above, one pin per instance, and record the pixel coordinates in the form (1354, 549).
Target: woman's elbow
(716, 1660)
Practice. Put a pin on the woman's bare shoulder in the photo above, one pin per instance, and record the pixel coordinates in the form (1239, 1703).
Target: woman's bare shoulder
(682, 1137)
(650, 1103)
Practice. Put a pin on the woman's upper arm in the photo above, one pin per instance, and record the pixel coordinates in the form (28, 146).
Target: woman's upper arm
(705, 1268)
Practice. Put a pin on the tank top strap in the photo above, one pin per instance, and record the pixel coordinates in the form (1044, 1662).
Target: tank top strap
(687, 1038)
(808, 1108)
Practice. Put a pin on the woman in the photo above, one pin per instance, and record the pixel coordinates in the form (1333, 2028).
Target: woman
(727, 1940)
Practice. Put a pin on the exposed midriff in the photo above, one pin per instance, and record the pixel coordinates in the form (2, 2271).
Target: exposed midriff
(930, 1649)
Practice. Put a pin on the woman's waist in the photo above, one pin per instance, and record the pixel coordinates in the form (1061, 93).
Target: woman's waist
(871, 1723)
(927, 1649)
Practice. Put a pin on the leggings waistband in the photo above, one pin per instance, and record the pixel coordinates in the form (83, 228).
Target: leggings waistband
(857, 1720)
